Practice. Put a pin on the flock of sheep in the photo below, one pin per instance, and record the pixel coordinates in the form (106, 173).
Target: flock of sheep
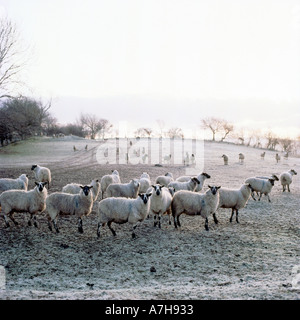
(129, 202)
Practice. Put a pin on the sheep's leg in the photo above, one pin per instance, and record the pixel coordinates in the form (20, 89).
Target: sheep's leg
(13, 219)
(178, 222)
(259, 196)
(236, 215)
(80, 229)
(55, 225)
(252, 195)
(111, 229)
(269, 198)
(283, 188)
(159, 221)
(29, 221)
(35, 223)
(206, 224)
(155, 222)
(6, 221)
(215, 218)
(288, 186)
(232, 213)
(175, 224)
(133, 233)
(98, 228)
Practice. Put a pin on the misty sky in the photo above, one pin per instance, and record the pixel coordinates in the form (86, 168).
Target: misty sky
(178, 60)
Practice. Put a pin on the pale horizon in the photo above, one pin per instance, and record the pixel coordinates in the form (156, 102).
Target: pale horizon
(177, 61)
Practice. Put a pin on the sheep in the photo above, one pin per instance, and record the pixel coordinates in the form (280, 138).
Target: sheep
(164, 180)
(277, 157)
(32, 201)
(286, 155)
(42, 174)
(20, 183)
(193, 158)
(194, 203)
(235, 199)
(286, 179)
(188, 185)
(167, 158)
(108, 179)
(273, 176)
(160, 204)
(241, 158)
(144, 157)
(74, 188)
(69, 204)
(122, 210)
(126, 190)
(225, 158)
(201, 178)
(186, 160)
(145, 182)
(263, 186)
(262, 155)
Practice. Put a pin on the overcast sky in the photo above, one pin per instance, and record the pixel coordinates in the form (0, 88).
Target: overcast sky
(178, 60)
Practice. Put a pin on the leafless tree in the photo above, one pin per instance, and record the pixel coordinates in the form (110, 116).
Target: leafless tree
(213, 124)
(93, 125)
(143, 132)
(226, 129)
(272, 140)
(175, 133)
(287, 144)
(12, 59)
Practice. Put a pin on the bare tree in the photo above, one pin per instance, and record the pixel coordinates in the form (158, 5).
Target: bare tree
(286, 144)
(226, 129)
(143, 132)
(175, 133)
(161, 125)
(214, 124)
(11, 59)
(92, 124)
(272, 140)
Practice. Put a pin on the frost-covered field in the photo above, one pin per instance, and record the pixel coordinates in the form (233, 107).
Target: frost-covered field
(255, 259)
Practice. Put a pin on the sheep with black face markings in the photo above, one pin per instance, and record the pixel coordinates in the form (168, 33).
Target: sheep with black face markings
(160, 202)
(201, 178)
(69, 204)
(194, 203)
(235, 199)
(32, 201)
(21, 183)
(190, 185)
(122, 210)
(263, 186)
(74, 188)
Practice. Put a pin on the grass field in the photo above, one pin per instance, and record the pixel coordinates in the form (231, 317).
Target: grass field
(255, 259)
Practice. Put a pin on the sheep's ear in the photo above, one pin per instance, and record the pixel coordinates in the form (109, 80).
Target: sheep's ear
(161, 185)
(90, 187)
(149, 194)
(209, 186)
(218, 187)
(81, 187)
(44, 183)
(36, 183)
(152, 186)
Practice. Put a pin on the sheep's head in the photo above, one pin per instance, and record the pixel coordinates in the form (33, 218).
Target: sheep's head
(205, 175)
(250, 187)
(86, 189)
(272, 181)
(214, 189)
(33, 166)
(275, 177)
(40, 186)
(145, 197)
(293, 172)
(157, 188)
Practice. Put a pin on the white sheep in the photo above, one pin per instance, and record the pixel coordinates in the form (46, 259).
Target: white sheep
(145, 182)
(262, 186)
(126, 190)
(235, 199)
(241, 158)
(262, 155)
(144, 157)
(201, 177)
(186, 160)
(42, 174)
(20, 183)
(164, 180)
(194, 203)
(160, 202)
(108, 179)
(32, 201)
(74, 188)
(122, 210)
(286, 178)
(190, 185)
(225, 158)
(167, 158)
(69, 204)
(277, 157)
